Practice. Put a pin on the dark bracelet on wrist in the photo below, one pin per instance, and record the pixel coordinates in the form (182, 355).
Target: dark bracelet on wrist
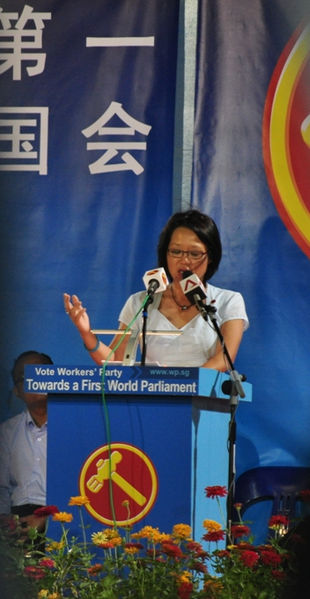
(94, 348)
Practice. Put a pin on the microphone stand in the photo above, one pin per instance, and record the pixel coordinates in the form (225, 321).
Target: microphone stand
(144, 327)
(234, 389)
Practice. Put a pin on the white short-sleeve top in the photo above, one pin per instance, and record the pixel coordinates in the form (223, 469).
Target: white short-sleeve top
(197, 342)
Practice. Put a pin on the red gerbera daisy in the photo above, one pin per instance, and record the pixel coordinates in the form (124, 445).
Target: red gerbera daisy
(47, 510)
(185, 590)
(270, 557)
(240, 530)
(278, 521)
(216, 535)
(216, 491)
(171, 549)
(249, 558)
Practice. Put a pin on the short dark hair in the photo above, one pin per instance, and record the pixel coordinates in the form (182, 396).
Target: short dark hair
(44, 359)
(204, 227)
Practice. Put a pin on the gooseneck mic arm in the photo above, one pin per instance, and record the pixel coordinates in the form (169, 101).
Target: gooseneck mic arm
(209, 311)
(144, 328)
(152, 288)
(234, 389)
(194, 290)
(155, 281)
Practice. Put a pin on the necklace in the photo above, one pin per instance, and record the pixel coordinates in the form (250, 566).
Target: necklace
(181, 306)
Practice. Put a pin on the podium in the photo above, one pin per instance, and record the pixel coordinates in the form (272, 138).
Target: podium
(141, 443)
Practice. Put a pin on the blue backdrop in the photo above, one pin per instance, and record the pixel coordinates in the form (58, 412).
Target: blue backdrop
(239, 46)
(81, 228)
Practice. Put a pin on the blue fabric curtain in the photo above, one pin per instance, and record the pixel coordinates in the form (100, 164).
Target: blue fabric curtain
(86, 155)
(242, 50)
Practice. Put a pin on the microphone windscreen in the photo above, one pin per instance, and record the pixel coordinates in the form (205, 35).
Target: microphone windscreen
(158, 278)
(192, 286)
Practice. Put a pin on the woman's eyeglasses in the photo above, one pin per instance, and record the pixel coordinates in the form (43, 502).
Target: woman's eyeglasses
(192, 254)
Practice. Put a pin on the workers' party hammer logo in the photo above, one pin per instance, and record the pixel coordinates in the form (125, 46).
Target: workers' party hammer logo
(120, 482)
(286, 137)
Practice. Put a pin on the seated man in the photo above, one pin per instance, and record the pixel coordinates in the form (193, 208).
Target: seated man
(23, 450)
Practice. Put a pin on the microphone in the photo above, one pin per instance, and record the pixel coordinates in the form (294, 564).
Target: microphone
(234, 385)
(155, 281)
(193, 288)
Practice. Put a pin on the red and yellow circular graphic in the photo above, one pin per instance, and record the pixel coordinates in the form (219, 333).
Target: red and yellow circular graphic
(120, 482)
(286, 137)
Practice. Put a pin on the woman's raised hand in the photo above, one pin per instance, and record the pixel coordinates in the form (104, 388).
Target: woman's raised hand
(77, 313)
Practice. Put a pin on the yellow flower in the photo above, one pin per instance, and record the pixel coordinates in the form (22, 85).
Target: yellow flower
(211, 525)
(45, 594)
(181, 531)
(147, 532)
(62, 517)
(160, 537)
(79, 500)
(109, 535)
(153, 535)
(185, 576)
(106, 534)
(131, 550)
(116, 541)
(98, 538)
(55, 546)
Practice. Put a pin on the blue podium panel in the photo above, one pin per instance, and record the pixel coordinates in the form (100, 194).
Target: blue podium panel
(210, 459)
(161, 433)
(141, 442)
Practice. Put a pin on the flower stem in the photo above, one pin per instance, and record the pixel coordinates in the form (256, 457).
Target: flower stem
(83, 528)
